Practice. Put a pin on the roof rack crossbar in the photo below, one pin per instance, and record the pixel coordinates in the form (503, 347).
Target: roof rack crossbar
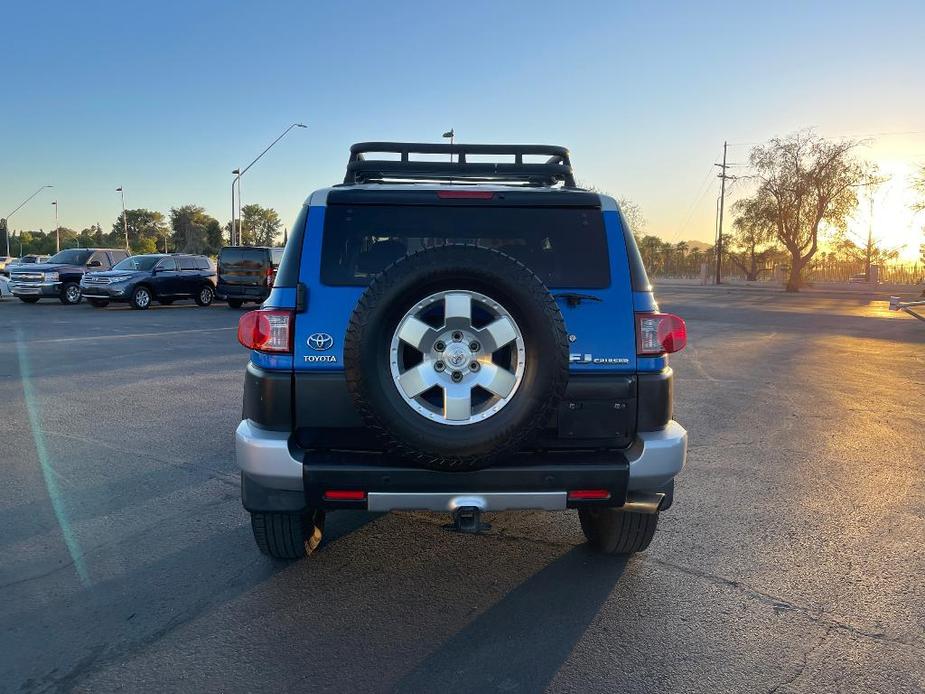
(556, 169)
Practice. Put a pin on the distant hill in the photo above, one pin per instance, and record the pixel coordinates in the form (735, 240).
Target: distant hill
(691, 245)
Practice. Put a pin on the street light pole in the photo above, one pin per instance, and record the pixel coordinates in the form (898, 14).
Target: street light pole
(237, 178)
(241, 172)
(57, 229)
(124, 220)
(21, 205)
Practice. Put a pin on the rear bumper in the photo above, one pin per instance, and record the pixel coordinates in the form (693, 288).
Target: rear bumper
(274, 477)
(243, 292)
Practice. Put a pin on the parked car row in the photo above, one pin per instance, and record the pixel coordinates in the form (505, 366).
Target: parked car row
(107, 275)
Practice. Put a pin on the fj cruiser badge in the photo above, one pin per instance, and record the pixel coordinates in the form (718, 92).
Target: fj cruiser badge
(591, 359)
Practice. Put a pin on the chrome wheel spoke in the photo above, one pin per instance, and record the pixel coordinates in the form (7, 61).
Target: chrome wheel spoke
(458, 311)
(496, 380)
(457, 402)
(417, 380)
(497, 334)
(416, 333)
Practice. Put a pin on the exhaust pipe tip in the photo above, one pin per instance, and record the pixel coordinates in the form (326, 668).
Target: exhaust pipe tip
(644, 502)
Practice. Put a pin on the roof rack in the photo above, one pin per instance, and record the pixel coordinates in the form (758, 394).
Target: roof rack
(556, 169)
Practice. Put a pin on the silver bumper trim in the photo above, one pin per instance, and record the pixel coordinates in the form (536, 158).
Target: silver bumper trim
(656, 457)
(265, 456)
(484, 501)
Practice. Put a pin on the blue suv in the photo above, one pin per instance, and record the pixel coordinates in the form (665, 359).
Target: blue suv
(459, 336)
(160, 277)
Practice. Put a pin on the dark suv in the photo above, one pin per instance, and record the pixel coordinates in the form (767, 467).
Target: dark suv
(459, 337)
(59, 277)
(141, 279)
(245, 273)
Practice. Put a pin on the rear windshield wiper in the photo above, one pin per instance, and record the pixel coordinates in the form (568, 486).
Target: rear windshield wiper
(572, 299)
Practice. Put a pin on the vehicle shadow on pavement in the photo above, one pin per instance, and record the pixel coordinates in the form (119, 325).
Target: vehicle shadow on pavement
(520, 643)
(123, 616)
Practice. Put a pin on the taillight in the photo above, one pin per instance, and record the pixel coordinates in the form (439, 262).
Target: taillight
(266, 330)
(270, 276)
(659, 333)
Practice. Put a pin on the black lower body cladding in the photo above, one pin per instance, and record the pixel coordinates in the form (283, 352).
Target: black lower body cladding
(451, 442)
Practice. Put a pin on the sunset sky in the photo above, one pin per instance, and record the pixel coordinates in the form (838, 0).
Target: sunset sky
(167, 98)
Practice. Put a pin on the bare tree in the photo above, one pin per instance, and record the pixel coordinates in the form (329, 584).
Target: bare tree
(806, 183)
(918, 185)
(753, 236)
(632, 213)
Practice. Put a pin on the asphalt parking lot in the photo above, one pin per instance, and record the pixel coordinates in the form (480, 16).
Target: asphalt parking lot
(793, 559)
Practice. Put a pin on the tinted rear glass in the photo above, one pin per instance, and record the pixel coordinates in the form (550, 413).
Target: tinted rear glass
(254, 258)
(566, 247)
(187, 263)
(73, 256)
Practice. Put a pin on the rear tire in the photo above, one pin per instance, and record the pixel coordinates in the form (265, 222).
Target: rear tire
(29, 299)
(288, 535)
(235, 303)
(614, 531)
(98, 303)
(141, 298)
(70, 294)
(205, 295)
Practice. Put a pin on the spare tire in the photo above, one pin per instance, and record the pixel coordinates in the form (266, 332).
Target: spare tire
(455, 355)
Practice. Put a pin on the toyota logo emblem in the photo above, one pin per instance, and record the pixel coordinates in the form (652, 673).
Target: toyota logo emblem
(320, 342)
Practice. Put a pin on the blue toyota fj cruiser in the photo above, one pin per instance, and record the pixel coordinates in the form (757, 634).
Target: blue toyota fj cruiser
(459, 336)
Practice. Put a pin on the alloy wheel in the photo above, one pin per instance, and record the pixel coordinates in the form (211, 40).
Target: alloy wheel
(457, 357)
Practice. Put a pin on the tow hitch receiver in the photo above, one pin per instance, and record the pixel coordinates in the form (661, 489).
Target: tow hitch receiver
(468, 519)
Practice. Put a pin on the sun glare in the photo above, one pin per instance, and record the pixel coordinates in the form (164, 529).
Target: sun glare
(886, 209)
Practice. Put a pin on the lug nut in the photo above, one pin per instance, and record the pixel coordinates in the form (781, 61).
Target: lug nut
(439, 366)
(457, 336)
(474, 366)
(457, 376)
(439, 345)
(474, 346)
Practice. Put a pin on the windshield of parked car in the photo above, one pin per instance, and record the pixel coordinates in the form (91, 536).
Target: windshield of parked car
(72, 256)
(138, 262)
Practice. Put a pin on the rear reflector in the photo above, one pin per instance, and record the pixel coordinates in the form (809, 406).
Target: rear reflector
(344, 495)
(588, 494)
(266, 330)
(659, 333)
(466, 194)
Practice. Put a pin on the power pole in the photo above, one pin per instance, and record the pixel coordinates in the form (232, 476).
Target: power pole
(722, 201)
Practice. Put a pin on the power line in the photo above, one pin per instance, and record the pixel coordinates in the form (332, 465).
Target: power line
(704, 187)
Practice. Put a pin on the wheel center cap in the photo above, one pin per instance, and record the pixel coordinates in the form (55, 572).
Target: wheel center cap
(456, 355)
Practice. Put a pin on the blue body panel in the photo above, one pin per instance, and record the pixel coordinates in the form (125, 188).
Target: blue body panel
(329, 308)
(604, 329)
(602, 334)
(281, 297)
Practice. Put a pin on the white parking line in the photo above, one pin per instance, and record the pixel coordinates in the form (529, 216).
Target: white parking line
(89, 338)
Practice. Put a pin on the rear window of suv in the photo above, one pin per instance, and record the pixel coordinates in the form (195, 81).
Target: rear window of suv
(252, 258)
(566, 247)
